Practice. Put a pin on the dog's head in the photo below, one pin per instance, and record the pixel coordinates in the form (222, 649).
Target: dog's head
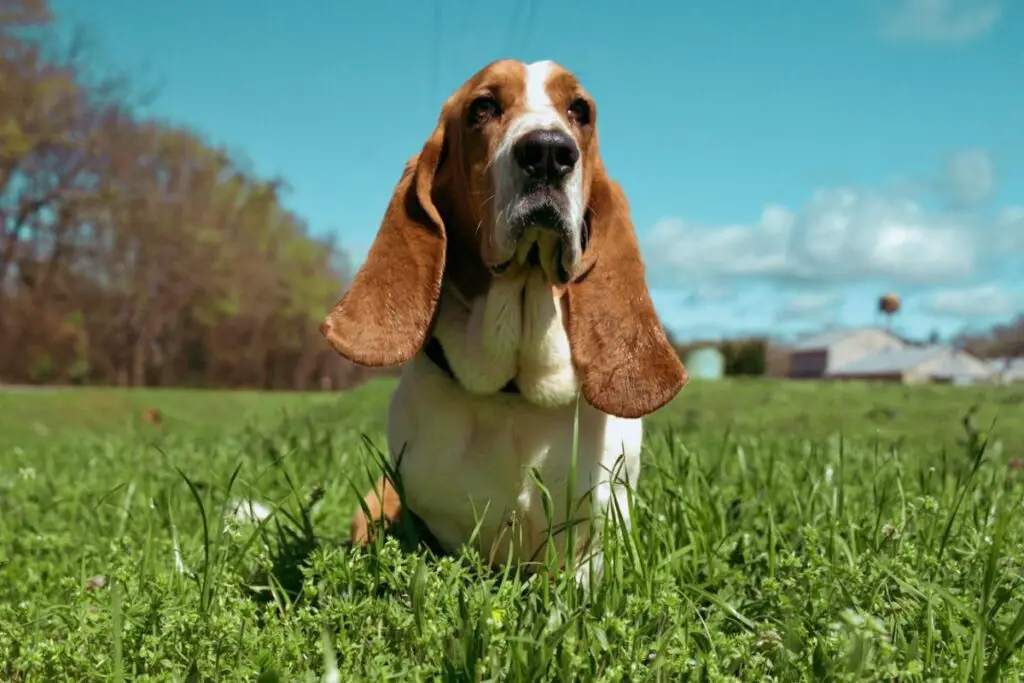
(511, 175)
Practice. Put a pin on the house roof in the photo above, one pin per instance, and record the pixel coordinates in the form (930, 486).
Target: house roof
(1006, 363)
(894, 361)
(824, 340)
(1014, 367)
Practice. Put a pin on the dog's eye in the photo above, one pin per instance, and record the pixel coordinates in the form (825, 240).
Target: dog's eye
(483, 109)
(579, 111)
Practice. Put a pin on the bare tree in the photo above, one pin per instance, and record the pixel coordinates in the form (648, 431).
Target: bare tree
(132, 251)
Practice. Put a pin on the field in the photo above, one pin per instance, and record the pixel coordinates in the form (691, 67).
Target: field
(788, 532)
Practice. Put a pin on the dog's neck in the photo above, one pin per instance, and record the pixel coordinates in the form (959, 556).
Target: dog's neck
(434, 352)
(510, 339)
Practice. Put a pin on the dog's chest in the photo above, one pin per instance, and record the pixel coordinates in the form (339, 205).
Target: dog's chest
(474, 468)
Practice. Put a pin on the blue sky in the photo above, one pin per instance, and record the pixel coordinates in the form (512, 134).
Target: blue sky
(786, 162)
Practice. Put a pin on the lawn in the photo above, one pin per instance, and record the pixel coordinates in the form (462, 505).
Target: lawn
(783, 531)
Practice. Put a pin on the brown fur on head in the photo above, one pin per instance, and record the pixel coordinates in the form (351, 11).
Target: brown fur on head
(462, 210)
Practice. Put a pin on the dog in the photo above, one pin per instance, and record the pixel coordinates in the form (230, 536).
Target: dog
(506, 279)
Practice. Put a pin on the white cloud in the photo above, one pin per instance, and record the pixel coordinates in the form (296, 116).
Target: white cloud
(983, 301)
(1011, 218)
(707, 292)
(828, 260)
(841, 235)
(970, 178)
(729, 250)
(1009, 225)
(948, 21)
(818, 306)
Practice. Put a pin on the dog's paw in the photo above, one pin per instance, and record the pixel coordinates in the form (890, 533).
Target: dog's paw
(385, 509)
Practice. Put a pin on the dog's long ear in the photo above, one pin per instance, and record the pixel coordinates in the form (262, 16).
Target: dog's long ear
(384, 317)
(627, 365)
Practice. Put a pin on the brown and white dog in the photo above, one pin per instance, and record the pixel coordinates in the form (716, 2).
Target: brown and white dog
(506, 275)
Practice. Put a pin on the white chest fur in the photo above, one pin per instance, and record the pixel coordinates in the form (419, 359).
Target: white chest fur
(468, 451)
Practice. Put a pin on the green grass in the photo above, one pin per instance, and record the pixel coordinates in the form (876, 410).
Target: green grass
(38, 415)
(789, 532)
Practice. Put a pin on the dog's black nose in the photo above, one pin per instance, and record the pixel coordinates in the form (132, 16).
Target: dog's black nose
(546, 155)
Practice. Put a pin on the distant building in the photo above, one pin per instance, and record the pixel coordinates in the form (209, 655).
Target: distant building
(1007, 370)
(816, 356)
(705, 363)
(916, 364)
(872, 353)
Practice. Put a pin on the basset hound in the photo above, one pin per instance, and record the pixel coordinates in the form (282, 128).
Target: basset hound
(507, 278)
